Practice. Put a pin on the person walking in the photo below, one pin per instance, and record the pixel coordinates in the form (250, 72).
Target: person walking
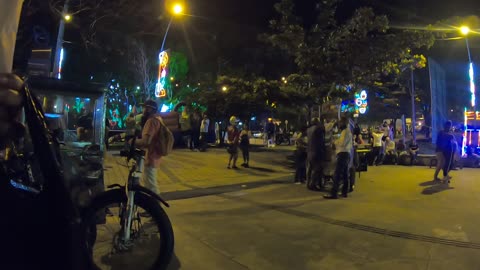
(448, 149)
(150, 135)
(233, 137)
(343, 148)
(245, 135)
(301, 156)
(439, 152)
(204, 132)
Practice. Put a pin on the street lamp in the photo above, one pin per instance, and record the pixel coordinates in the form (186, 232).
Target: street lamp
(58, 57)
(464, 30)
(177, 10)
(224, 89)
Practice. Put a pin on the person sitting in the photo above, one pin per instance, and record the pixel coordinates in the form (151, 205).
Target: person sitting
(390, 152)
(413, 151)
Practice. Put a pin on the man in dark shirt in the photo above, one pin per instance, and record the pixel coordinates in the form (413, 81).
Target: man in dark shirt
(446, 144)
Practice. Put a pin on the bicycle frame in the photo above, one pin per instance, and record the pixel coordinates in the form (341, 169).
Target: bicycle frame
(133, 180)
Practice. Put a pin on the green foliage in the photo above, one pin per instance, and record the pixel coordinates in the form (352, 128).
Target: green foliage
(362, 52)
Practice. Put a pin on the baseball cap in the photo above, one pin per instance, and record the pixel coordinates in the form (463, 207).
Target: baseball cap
(150, 103)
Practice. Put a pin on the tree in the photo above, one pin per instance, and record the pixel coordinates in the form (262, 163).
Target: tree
(360, 52)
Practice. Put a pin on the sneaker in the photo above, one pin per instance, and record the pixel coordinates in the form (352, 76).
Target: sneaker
(234, 167)
(228, 167)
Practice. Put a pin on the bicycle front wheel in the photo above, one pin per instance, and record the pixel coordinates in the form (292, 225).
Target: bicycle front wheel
(149, 244)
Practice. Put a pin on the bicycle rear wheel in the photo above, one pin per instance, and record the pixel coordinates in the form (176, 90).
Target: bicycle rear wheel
(151, 236)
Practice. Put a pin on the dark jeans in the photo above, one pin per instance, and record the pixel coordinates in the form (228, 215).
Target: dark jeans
(377, 155)
(245, 153)
(300, 163)
(341, 173)
(203, 141)
(448, 164)
(195, 139)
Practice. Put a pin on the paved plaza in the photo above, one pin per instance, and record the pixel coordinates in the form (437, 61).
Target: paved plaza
(256, 218)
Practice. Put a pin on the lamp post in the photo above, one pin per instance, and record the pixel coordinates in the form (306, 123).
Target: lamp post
(177, 9)
(58, 58)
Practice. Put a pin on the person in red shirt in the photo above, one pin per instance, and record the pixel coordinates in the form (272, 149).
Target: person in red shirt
(150, 135)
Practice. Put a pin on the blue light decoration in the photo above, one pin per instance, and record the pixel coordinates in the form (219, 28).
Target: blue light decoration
(472, 84)
(164, 108)
(160, 90)
(60, 62)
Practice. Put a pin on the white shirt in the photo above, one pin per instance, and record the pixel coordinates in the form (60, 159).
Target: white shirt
(345, 142)
(204, 125)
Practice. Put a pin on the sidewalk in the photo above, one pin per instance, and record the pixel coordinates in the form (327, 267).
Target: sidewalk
(185, 170)
(396, 219)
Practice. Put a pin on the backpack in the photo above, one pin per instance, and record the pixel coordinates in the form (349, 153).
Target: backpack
(165, 144)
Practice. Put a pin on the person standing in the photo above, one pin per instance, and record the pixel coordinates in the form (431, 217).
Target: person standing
(245, 135)
(343, 148)
(150, 135)
(448, 149)
(315, 154)
(196, 124)
(233, 136)
(301, 156)
(377, 136)
(439, 151)
(186, 128)
(204, 132)
(129, 128)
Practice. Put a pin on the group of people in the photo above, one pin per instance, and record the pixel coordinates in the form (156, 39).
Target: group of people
(238, 139)
(194, 128)
(385, 149)
(319, 146)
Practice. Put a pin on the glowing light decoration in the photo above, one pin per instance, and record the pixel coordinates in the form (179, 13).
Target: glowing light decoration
(361, 102)
(60, 62)
(472, 84)
(160, 90)
(164, 108)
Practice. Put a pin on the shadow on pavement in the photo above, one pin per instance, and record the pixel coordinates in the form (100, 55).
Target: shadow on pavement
(436, 189)
(429, 183)
(261, 169)
(174, 263)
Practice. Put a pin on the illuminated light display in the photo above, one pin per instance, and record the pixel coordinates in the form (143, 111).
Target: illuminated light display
(361, 102)
(60, 62)
(160, 90)
(471, 133)
(472, 84)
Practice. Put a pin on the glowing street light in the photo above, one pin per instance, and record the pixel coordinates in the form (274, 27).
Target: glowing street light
(67, 17)
(177, 9)
(464, 30)
(224, 88)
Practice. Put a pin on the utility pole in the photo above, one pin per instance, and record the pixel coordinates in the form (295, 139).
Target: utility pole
(412, 94)
(59, 45)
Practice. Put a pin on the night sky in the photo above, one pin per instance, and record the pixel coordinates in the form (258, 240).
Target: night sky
(229, 29)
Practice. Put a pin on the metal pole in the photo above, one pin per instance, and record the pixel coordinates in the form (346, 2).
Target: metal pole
(59, 45)
(165, 36)
(468, 50)
(413, 107)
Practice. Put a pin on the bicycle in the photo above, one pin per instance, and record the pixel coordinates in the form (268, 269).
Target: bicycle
(44, 208)
(138, 211)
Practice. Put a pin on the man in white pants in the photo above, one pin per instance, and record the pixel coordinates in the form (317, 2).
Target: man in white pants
(150, 135)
